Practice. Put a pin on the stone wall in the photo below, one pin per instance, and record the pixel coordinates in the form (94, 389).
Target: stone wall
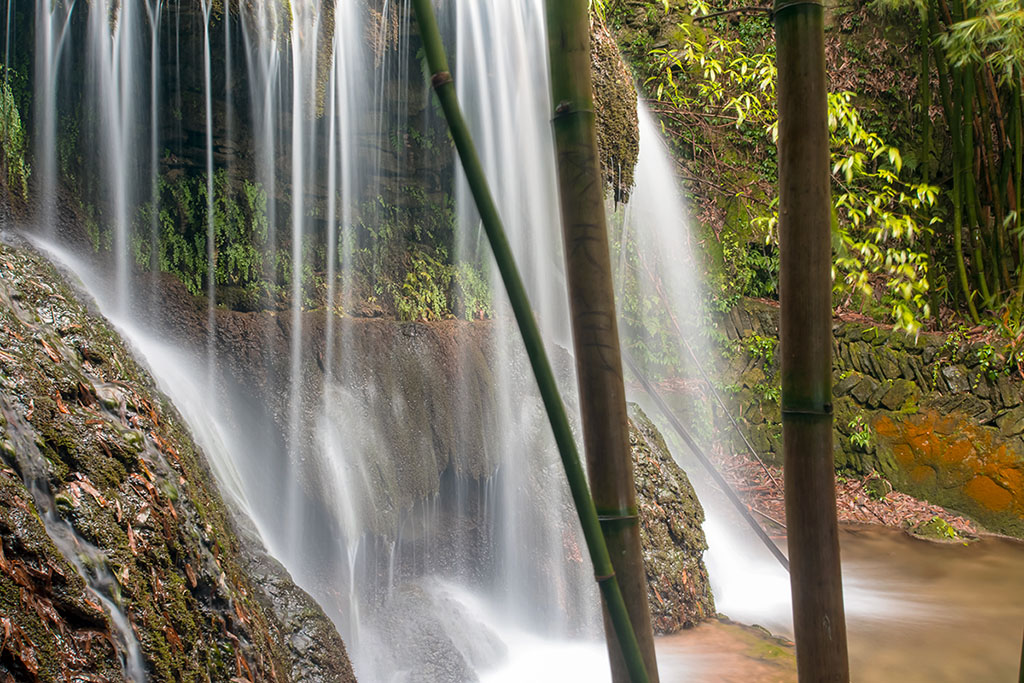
(939, 416)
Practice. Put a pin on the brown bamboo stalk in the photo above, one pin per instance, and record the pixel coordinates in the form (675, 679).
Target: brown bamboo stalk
(805, 290)
(595, 330)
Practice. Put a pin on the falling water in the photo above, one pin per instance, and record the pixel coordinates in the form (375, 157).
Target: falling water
(211, 232)
(113, 52)
(53, 20)
(485, 552)
(154, 13)
(90, 562)
(657, 258)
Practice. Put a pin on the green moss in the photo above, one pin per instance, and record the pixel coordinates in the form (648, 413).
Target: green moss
(936, 529)
(618, 133)
(14, 157)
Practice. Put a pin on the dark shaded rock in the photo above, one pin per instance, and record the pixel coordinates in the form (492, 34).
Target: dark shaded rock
(1010, 393)
(902, 395)
(844, 385)
(906, 368)
(670, 516)
(888, 363)
(1011, 423)
(874, 400)
(864, 389)
(956, 379)
(982, 386)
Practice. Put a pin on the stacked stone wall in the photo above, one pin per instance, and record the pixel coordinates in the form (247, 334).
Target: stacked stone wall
(940, 416)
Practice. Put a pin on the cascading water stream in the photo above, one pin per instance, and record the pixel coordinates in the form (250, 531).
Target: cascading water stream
(90, 562)
(211, 252)
(485, 542)
(51, 35)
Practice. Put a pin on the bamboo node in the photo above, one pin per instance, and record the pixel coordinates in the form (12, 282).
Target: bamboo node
(440, 78)
(786, 4)
(565, 108)
(627, 517)
(825, 409)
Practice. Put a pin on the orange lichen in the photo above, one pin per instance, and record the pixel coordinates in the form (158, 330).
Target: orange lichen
(884, 426)
(956, 452)
(922, 475)
(988, 494)
(903, 454)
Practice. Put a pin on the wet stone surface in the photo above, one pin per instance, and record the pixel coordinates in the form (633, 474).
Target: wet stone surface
(670, 528)
(108, 458)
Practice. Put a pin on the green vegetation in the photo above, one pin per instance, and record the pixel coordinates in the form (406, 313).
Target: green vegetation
(877, 214)
(13, 144)
(179, 244)
(399, 255)
(926, 121)
(937, 529)
(860, 433)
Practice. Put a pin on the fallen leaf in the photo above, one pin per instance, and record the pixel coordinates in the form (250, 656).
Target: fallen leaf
(131, 540)
(54, 356)
(60, 404)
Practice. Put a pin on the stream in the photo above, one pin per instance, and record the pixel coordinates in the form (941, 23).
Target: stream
(917, 611)
(937, 612)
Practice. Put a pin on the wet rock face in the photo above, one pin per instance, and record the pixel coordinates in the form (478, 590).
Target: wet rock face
(53, 629)
(92, 449)
(670, 529)
(437, 639)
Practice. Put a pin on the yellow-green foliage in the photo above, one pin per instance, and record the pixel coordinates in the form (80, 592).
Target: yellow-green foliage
(879, 215)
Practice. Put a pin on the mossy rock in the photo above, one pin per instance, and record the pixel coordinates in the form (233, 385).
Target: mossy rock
(679, 592)
(86, 427)
(618, 128)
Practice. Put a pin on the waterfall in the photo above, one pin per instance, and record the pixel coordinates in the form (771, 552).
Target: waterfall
(53, 19)
(407, 498)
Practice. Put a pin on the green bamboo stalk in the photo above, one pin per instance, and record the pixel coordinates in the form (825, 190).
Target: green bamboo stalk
(1018, 185)
(948, 87)
(987, 172)
(444, 87)
(953, 105)
(970, 194)
(594, 326)
(806, 343)
(924, 83)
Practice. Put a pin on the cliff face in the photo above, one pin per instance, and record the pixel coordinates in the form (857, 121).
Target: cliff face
(105, 500)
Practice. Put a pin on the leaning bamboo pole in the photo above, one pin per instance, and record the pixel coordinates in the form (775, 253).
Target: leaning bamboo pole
(594, 325)
(604, 572)
(805, 290)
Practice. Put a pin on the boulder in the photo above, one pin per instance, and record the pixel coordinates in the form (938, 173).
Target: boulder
(670, 529)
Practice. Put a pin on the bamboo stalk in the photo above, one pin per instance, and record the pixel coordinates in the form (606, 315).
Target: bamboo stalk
(948, 88)
(1018, 188)
(805, 343)
(924, 83)
(594, 323)
(1020, 676)
(444, 87)
(953, 104)
(968, 165)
